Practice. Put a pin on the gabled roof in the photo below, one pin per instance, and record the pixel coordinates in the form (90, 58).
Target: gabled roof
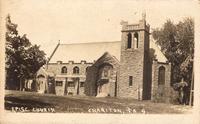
(90, 52)
(85, 51)
(159, 55)
(106, 58)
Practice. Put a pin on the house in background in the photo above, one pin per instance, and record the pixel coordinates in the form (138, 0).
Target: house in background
(133, 67)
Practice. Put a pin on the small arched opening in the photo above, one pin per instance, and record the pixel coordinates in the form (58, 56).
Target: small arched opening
(76, 70)
(136, 40)
(64, 69)
(129, 40)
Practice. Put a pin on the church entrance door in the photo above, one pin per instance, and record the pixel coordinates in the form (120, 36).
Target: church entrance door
(102, 90)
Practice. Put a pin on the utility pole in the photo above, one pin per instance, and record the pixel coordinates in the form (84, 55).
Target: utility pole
(192, 89)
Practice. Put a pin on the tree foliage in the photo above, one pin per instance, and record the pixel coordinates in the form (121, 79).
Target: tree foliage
(22, 58)
(177, 43)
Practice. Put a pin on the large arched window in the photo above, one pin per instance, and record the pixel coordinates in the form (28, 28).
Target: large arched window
(105, 71)
(161, 75)
(76, 70)
(136, 40)
(129, 40)
(64, 69)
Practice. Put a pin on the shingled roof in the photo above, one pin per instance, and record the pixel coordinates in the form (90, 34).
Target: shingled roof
(85, 51)
(90, 52)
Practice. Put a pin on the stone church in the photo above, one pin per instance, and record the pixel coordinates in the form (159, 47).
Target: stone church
(133, 67)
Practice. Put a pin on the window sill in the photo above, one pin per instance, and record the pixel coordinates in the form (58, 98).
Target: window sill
(132, 49)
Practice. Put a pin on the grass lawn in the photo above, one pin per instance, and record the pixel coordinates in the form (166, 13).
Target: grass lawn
(18, 101)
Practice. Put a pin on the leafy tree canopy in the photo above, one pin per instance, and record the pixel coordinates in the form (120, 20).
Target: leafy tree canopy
(177, 43)
(22, 58)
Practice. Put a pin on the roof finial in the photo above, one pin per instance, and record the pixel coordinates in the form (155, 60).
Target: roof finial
(58, 41)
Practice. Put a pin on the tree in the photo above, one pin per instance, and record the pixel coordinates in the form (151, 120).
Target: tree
(22, 58)
(177, 43)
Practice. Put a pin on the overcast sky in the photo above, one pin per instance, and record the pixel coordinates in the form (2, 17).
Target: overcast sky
(47, 21)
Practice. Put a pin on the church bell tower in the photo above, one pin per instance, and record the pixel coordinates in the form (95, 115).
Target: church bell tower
(133, 72)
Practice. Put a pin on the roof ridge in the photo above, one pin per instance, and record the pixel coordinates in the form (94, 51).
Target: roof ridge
(88, 43)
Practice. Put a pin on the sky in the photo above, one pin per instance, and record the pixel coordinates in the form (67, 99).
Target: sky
(73, 21)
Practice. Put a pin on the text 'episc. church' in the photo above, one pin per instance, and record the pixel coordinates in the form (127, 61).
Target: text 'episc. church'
(133, 67)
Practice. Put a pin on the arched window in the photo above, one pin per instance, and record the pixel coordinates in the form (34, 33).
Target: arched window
(161, 75)
(40, 76)
(105, 71)
(86, 69)
(76, 70)
(64, 69)
(136, 40)
(129, 42)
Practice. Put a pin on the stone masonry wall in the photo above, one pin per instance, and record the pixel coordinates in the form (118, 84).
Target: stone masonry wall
(155, 87)
(90, 85)
(147, 70)
(92, 75)
(56, 67)
(132, 63)
(60, 90)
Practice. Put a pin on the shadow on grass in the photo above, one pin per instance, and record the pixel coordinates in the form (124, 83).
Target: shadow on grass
(18, 102)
